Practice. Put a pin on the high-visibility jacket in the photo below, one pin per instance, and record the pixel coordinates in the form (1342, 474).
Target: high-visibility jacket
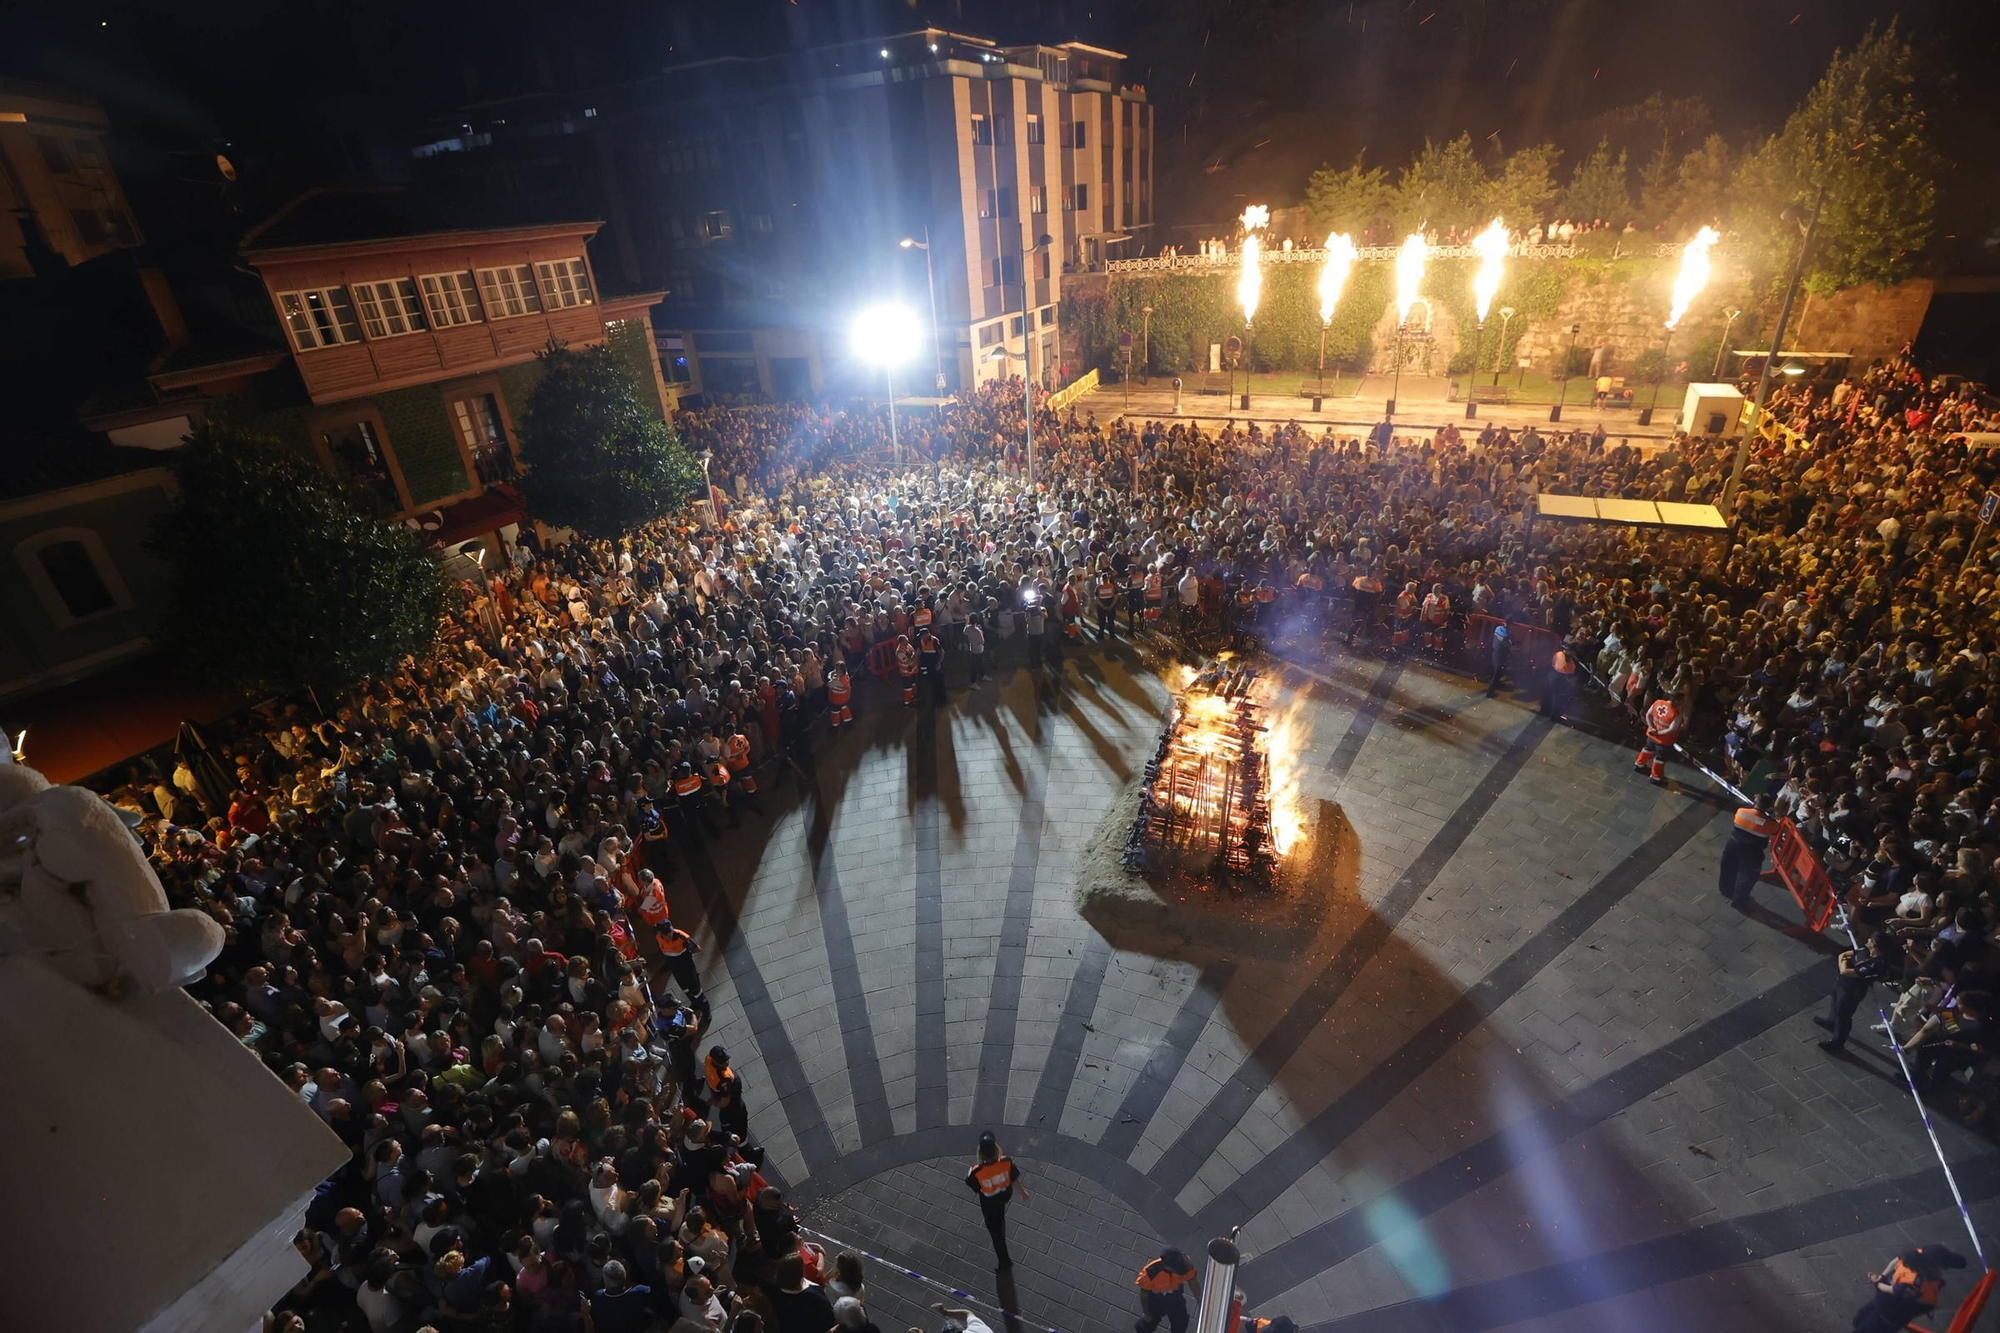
(673, 941)
(1437, 608)
(1107, 591)
(716, 1075)
(1266, 594)
(736, 752)
(839, 689)
(1159, 1278)
(1754, 823)
(718, 773)
(1406, 604)
(1368, 583)
(996, 1177)
(1311, 582)
(1153, 585)
(906, 659)
(1564, 664)
(687, 786)
(921, 618)
(1926, 1287)
(1663, 722)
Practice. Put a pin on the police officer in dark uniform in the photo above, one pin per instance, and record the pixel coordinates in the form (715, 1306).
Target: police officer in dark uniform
(994, 1178)
(1860, 969)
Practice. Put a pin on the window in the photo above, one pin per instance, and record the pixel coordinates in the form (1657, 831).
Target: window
(1006, 201)
(1038, 199)
(319, 317)
(54, 156)
(1014, 326)
(484, 434)
(74, 576)
(1048, 317)
(989, 335)
(673, 357)
(354, 452)
(566, 282)
(1082, 135)
(389, 308)
(1034, 128)
(1082, 197)
(452, 299)
(1010, 270)
(716, 226)
(761, 223)
(509, 291)
(1042, 265)
(982, 130)
(88, 155)
(1003, 130)
(986, 203)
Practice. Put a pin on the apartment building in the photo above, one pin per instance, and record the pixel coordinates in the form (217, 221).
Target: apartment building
(60, 201)
(769, 197)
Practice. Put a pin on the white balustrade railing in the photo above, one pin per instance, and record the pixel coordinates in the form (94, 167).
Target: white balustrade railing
(1233, 261)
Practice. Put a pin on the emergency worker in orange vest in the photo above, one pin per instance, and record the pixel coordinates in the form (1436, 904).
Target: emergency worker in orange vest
(839, 696)
(1105, 595)
(1280, 1324)
(1160, 1284)
(688, 798)
(930, 663)
(1743, 854)
(679, 948)
(1436, 614)
(1909, 1285)
(994, 1178)
(1367, 596)
(1663, 728)
(742, 782)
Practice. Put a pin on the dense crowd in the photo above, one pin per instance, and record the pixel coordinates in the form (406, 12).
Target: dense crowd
(447, 921)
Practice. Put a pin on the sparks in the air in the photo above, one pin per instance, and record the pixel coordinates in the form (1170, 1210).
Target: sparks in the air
(1333, 273)
(1492, 247)
(1250, 282)
(1694, 273)
(1409, 275)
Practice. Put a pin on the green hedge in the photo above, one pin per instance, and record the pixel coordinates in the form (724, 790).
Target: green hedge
(1190, 311)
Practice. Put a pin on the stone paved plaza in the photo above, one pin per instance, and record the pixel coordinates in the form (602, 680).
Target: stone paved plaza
(1519, 1068)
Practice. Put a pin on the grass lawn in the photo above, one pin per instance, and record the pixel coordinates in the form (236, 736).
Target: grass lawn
(1537, 386)
(1263, 384)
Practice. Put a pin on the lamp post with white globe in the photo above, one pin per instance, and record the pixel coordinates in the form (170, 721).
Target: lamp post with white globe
(887, 335)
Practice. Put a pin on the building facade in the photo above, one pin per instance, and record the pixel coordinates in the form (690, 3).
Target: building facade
(60, 200)
(769, 197)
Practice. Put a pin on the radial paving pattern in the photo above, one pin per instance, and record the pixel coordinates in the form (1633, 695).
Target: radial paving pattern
(1472, 1100)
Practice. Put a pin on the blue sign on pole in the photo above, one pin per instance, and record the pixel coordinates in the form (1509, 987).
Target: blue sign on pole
(1989, 506)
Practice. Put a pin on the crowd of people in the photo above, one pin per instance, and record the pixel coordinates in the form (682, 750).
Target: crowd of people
(446, 897)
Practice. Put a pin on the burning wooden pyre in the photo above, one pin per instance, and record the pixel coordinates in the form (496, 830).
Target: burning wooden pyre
(1205, 804)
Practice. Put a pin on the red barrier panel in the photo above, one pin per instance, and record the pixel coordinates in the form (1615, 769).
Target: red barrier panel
(1968, 1313)
(1799, 870)
(882, 659)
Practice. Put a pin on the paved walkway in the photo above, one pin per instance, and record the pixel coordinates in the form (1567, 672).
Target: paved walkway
(1530, 1072)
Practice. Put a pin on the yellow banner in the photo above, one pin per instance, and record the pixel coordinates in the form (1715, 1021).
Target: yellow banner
(1068, 394)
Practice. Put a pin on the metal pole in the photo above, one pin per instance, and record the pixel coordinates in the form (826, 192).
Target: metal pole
(1146, 344)
(937, 334)
(1218, 1285)
(1027, 369)
(1716, 369)
(1665, 343)
(1568, 357)
(895, 445)
(1246, 365)
(1500, 352)
(1396, 391)
(1777, 345)
(1322, 356)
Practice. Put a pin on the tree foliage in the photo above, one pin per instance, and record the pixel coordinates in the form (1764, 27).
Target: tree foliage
(1701, 189)
(1863, 134)
(1444, 186)
(1525, 186)
(280, 577)
(1597, 188)
(600, 459)
(1347, 200)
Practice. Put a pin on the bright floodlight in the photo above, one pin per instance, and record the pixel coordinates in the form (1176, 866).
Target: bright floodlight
(887, 335)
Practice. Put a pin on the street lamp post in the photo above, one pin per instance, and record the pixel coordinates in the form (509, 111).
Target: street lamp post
(1146, 345)
(1396, 389)
(1777, 345)
(1500, 352)
(1646, 419)
(1556, 412)
(930, 282)
(1324, 325)
(1027, 353)
(1722, 346)
(886, 335)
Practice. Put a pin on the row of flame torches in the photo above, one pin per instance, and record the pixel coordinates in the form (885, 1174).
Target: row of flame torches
(1205, 803)
(1491, 244)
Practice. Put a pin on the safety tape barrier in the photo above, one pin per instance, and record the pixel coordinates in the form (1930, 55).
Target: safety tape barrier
(1835, 910)
(932, 1283)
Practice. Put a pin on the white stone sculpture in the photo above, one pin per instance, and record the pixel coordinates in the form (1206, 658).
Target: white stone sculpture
(76, 890)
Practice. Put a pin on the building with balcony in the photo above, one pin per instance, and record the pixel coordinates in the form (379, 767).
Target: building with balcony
(768, 197)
